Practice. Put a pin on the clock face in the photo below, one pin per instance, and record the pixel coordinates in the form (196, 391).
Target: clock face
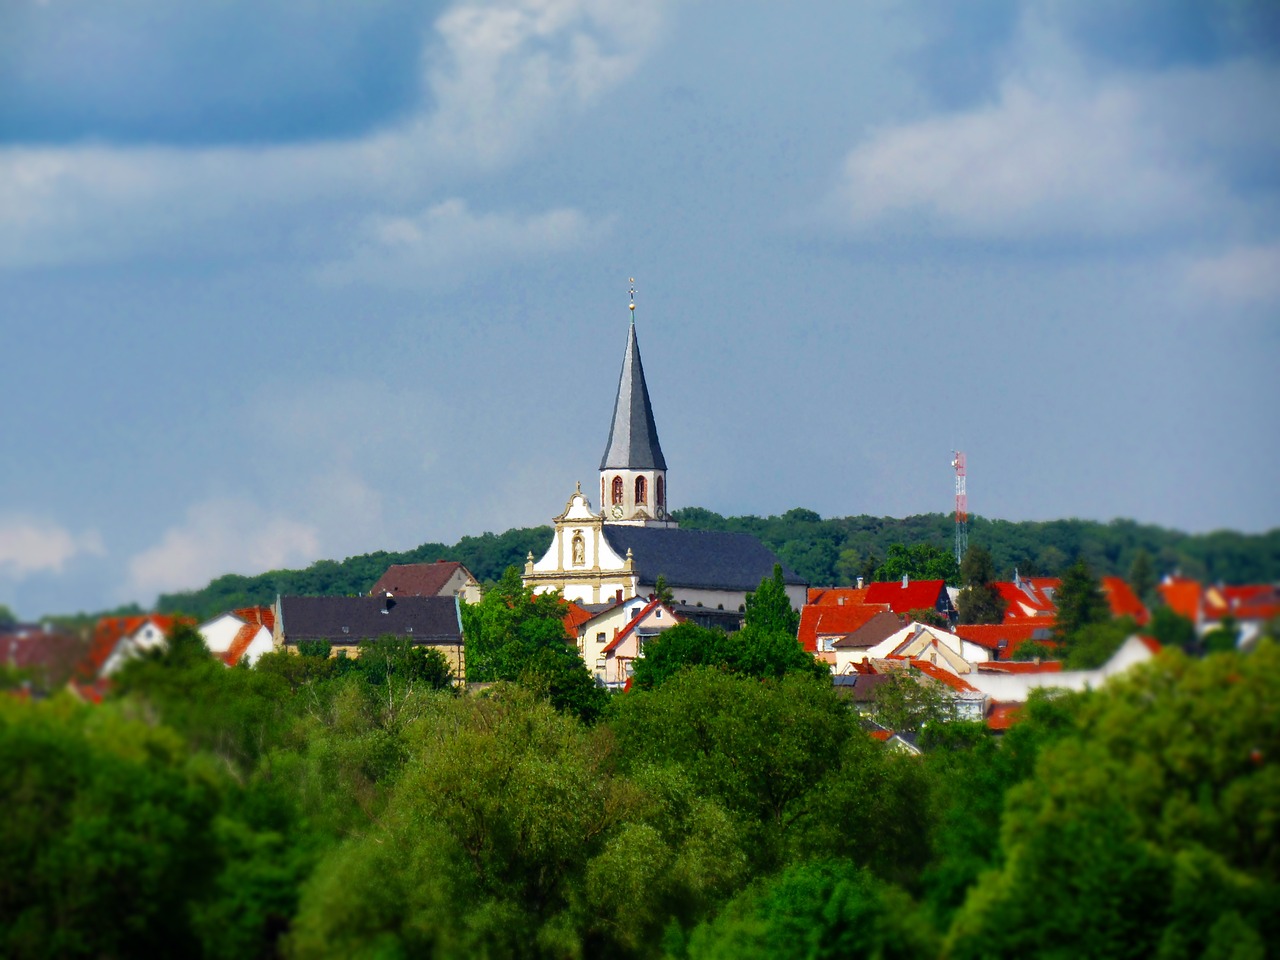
(617, 511)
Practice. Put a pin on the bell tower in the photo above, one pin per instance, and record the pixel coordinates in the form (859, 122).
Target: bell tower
(633, 472)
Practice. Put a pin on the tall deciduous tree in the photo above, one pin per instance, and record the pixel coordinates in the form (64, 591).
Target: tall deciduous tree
(518, 635)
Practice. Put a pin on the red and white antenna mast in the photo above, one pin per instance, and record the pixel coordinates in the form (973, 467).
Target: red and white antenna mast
(962, 506)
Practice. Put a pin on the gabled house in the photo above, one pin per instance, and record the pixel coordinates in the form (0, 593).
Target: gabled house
(244, 634)
(444, 578)
(821, 625)
(1001, 640)
(117, 639)
(346, 622)
(920, 641)
(853, 647)
(620, 654)
(912, 595)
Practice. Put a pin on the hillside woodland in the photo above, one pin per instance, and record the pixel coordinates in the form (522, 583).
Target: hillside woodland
(824, 552)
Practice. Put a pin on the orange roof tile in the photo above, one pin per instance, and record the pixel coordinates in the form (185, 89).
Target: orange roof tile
(1124, 602)
(1002, 716)
(832, 620)
(574, 618)
(633, 623)
(916, 595)
(1013, 635)
(240, 643)
(111, 630)
(837, 596)
(943, 676)
(1021, 666)
(1182, 596)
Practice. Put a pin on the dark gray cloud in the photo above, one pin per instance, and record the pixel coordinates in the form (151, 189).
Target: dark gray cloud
(225, 72)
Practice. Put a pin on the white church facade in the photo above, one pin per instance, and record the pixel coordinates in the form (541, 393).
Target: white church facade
(619, 551)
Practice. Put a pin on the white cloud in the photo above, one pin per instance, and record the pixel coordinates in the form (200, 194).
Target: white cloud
(440, 244)
(1036, 163)
(1248, 274)
(509, 65)
(31, 546)
(220, 536)
(499, 76)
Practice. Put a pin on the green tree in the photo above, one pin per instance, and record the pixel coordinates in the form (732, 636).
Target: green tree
(1093, 645)
(823, 908)
(105, 837)
(684, 645)
(517, 635)
(662, 590)
(906, 705)
(979, 601)
(1173, 630)
(1155, 843)
(1080, 602)
(769, 608)
(921, 561)
(1142, 576)
(1223, 638)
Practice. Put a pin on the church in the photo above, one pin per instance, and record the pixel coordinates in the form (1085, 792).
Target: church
(619, 551)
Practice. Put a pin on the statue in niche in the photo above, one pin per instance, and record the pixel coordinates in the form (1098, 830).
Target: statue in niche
(579, 549)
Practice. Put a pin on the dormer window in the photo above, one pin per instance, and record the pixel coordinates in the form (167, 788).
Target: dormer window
(642, 490)
(617, 491)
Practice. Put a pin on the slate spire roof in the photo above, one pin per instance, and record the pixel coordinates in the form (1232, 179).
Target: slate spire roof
(633, 436)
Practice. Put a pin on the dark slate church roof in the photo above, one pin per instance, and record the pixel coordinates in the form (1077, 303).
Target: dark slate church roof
(710, 559)
(633, 436)
(352, 619)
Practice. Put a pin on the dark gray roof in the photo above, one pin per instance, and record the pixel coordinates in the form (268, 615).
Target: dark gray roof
(352, 619)
(860, 687)
(710, 559)
(633, 436)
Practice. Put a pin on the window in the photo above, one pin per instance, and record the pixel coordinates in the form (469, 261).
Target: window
(660, 493)
(657, 614)
(642, 490)
(617, 490)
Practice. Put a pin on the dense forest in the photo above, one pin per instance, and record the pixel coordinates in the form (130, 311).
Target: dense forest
(824, 552)
(732, 805)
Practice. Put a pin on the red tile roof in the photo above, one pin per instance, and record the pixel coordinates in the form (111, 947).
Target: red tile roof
(1257, 601)
(574, 618)
(111, 630)
(1182, 596)
(1026, 601)
(1002, 716)
(266, 616)
(634, 622)
(881, 735)
(1151, 643)
(1021, 666)
(916, 595)
(837, 595)
(240, 643)
(1012, 634)
(1124, 602)
(416, 579)
(834, 620)
(943, 676)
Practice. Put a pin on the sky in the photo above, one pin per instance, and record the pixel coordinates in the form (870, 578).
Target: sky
(297, 280)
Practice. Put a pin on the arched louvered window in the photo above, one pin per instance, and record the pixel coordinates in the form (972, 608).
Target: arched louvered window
(661, 492)
(617, 490)
(642, 490)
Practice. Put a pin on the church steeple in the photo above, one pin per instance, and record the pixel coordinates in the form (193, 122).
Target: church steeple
(633, 471)
(633, 436)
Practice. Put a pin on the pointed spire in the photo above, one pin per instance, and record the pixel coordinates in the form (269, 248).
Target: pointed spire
(633, 436)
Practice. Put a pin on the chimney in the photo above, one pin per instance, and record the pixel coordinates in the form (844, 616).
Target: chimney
(905, 580)
(387, 603)
(859, 583)
(840, 601)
